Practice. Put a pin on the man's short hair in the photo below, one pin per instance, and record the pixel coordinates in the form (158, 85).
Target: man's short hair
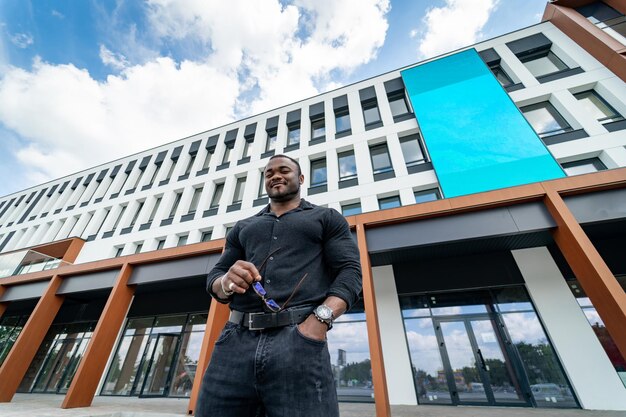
(287, 157)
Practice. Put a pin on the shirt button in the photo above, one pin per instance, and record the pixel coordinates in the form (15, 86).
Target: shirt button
(267, 281)
(277, 220)
(271, 258)
(275, 238)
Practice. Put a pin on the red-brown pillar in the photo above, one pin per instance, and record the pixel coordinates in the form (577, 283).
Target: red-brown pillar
(594, 275)
(23, 351)
(85, 382)
(381, 395)
(3, 306)
(218, 315)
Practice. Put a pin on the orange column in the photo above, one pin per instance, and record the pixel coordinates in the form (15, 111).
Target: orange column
(3, 306)
(23, 351)
(381, 396)
(594, 275)
(218, 315)
(85, 382)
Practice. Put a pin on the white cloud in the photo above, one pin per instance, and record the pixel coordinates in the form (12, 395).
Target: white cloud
(113, 60)
(456, 24)
(254, 56)
(57, 14)
(22, 40)
(73, 121)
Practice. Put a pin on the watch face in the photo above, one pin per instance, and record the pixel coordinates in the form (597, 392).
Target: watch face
(324, 312)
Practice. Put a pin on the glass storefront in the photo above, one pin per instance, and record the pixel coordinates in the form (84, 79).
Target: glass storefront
(482, 348)
(57, 359)
(157, 356)
(10, 328)
(596, 323)
(350, 356)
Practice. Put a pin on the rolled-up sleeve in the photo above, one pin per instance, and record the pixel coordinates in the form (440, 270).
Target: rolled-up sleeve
(342, 256)
(231, 254)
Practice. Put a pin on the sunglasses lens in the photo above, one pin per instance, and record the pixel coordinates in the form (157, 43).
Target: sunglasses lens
(272, 305)
(258, 288)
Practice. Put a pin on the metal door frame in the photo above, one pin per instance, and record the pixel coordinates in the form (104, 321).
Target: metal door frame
(505, 346)
(168, 379)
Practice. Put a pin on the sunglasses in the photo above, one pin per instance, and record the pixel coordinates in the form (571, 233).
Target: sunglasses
(260, 291)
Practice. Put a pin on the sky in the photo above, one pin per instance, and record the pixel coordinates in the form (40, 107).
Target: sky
(85, 82)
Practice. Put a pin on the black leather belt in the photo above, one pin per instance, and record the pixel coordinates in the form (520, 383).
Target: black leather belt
(260, 321)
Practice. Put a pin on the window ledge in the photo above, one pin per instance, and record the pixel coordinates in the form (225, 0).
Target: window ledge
(343, 134)
(317, 140)
(261, 201)
(292, 147)
(145, 226)
(233, 207)
(559, 74)
(166, 222)
(164, 182)
(615, 126)
(268, 154)
(202, 172)
(183, 177)
(424, 166)
(243, 160)
(403, 117)
(187, 217)
(210, 212)
(348, 183)
(384, 175)
(565, 137)
(317, 189)
(374, 125)
(126, 230)
(514, 87)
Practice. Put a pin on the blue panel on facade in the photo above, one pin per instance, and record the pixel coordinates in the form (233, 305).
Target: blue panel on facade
(477, 138)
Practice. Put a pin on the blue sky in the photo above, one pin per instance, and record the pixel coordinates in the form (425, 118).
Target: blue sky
(85, 82)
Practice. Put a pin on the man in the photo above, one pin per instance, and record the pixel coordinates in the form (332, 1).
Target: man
(287, 273)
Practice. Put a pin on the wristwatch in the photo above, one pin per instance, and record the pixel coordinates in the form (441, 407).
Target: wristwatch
(324, 314)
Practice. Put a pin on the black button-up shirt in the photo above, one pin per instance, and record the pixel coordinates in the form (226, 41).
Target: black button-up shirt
(309, 240)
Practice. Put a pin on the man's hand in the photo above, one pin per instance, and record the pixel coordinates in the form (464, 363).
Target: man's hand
(313, 328)
(238, 278)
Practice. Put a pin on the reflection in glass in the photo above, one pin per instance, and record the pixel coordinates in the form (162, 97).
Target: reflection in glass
(350, 357)
(467, 379)
(149, 361)
(498, 368)
(10, 329)
(547, 381)
(428, 371)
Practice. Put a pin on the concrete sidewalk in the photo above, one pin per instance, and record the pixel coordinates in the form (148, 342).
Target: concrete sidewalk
(47, 405)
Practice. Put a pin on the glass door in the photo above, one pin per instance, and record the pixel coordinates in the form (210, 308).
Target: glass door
(58, 370)
(478, 366)
(159, 366)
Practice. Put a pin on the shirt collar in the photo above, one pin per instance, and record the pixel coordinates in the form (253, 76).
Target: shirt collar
(304, 205)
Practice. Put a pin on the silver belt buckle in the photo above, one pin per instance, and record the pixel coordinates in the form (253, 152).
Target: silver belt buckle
(250, 316)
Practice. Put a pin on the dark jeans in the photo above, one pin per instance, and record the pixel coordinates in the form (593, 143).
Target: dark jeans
(275, 372)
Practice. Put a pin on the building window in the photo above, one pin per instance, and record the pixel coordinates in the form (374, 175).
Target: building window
(192, 159)
(342, 120)
(389, 202)
(584, 166)
(262, 191)
(217, 195)
(177, 196)
(246, 149)
(136, 215)
(138, 247)
(119, 217)
(206, 236)
(160, 244)
(207, 160)
(193, 206)
(271, 140)
(226, 158)
(543, 63)
(293, 134)
(371, 115)
(182, 240)
(351, 209)
(154, 174)
(318, 129)
(606, 18)
(318, 172)
(381, 162)
(347, 165)
(171, 170)
(118, 251)
(597, 107)
(104, 219)
(544, 118)
(239, 188)
(411, 150)
(427, 195)
(398, 104)
(157, 203)
(501, 75)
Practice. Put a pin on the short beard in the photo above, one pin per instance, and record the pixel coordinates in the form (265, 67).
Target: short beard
(287, 196)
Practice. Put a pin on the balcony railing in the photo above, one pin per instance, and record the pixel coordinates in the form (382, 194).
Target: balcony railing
(23, 262)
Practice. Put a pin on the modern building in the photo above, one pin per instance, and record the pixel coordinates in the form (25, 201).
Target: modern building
(487, 192)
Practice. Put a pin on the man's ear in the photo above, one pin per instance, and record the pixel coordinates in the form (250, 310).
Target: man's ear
(301, 178)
